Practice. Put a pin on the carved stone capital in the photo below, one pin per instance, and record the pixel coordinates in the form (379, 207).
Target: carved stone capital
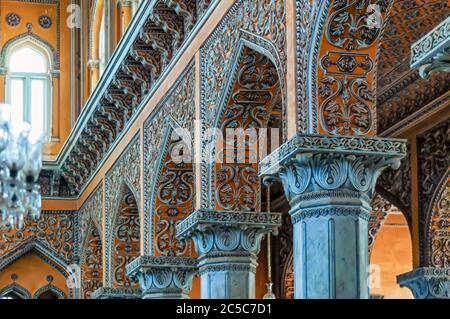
(117, 293)
(337, 171)
(94, 64)
(162, 277)
(432, 52)
(227, 243)
(427, 283)
(220, 232)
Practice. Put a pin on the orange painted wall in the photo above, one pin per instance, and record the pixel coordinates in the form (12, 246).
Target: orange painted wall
(32, 274)
(392, 252)
(29, 13)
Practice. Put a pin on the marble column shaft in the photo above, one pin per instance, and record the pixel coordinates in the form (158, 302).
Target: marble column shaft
(329, 182)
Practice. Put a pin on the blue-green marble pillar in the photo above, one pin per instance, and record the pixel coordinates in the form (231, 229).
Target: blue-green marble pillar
(227, 245)
(329, 182)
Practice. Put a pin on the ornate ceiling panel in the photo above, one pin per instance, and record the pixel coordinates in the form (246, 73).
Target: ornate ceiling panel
(409, 21)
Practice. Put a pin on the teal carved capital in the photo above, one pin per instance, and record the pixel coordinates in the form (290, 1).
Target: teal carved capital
(163, 275)
(427, 283)
(228, 231)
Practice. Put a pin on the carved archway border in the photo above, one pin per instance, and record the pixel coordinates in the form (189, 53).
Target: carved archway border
(437, 196)
(58, 292)
(169, 127)
(43, 252)
(114, 189)
(110, 221)
(36, 40)
(16, 288)
(264, 47)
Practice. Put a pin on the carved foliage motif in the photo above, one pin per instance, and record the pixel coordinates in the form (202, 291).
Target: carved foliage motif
(354, 24)
(439, 232)
(264, 18)
(380, 209)
(122, 179)
(126, 238)
(434, 161)
(346, 91)
(178, 105)
(91, 212)
(92, 263)
(174, 200)
(54, 229)
(250, 107)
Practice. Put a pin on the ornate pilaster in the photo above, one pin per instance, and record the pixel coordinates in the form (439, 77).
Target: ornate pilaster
(117, 293)
(94, 66)
(163, 277)
(126, 14)
(329, 182)
(227, 244)
(427, 283)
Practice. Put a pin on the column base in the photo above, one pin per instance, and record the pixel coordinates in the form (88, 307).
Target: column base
(427, 283)
(163, 277)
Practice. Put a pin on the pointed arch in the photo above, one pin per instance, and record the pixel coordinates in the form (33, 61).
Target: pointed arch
(91, 261)
(16, 289)
(49, 288)
(437, 226)
(172, 196)
(33, 40)
(123, 244)
(268, 100)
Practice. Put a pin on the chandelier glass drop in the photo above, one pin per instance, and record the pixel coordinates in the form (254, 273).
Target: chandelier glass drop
(20, 165)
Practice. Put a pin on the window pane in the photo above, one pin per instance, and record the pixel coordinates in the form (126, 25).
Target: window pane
(27, 59)
(17, 100)
(37, 107)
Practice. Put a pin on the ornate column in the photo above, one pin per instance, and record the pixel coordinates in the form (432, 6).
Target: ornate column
(163, 277)
(227, 244)
(126, 14)
(329, 183)
(427, 283)
(94, 67)
(117, 293)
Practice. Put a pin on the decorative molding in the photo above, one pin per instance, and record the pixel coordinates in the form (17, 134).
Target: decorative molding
(433, 148)
(217, 219)
(163, 277)
(175, 111)
(116, 101)
(13, 19)
(17, 289)
(343, 145)
(53, 289)
(238, 29)
(431, 52)
(117, 293)
(122, 179)
(427, 283)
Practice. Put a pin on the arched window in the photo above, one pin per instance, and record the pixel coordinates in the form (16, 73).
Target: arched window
(28, 87)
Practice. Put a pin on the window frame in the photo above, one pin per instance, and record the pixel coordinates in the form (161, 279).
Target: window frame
(27, 78)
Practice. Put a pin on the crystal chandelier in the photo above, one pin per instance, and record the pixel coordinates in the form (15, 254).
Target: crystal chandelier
(20, 165)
